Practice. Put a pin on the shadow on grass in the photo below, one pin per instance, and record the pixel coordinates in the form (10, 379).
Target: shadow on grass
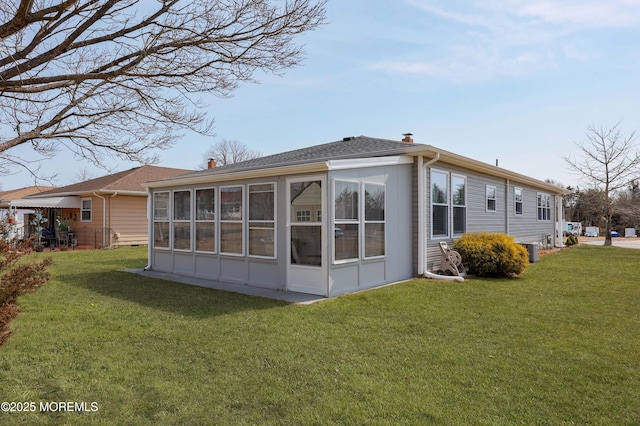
(178, 298)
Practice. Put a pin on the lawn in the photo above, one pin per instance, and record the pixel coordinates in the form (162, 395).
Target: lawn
(560, 345)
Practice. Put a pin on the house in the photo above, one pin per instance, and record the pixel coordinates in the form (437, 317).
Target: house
(18, 217)
(102, 212)
(339, 217)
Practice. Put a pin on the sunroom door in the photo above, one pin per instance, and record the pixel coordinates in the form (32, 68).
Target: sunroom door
(307, 241)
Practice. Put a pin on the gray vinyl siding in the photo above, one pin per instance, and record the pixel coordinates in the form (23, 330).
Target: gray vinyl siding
(524, 228)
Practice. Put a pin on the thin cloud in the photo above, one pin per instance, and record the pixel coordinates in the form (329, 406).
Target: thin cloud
(494, 38)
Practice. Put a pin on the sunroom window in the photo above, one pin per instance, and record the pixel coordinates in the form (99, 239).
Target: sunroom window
(182, 220)
(262, 220)
(206, 220)
(231, 227)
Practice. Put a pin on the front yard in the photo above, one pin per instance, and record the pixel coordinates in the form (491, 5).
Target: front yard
(559, 345)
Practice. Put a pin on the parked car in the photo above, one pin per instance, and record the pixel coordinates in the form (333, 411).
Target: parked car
(615, 234)
(591, 234)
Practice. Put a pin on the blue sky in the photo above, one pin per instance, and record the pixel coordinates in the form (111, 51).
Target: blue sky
(513, 80)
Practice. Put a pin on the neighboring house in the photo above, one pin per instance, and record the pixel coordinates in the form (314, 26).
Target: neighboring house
(18, 217)
(102, 212)
(339, 217)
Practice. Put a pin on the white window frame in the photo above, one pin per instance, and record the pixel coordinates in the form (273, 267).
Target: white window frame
(214, 220)
(366, 221)
(189, 221)
(166, 219)
(337, 222)
(517, 189)
(459, 206)
(303, 214)
(242, 220)
(488, 198)
(273, 222)
(446, 204)
(543, 207)
(83, 209)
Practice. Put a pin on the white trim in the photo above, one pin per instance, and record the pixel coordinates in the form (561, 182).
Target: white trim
(360, 163)
(486, 198)
(242, 221)
(447, 204)
(196, 220)
(275, 220)
(90, 210)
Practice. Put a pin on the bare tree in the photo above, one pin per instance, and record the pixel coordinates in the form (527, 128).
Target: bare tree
(609, 161)
(230, 151)
(121, 77)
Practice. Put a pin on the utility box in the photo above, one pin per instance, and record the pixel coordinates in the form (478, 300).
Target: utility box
(532, 249)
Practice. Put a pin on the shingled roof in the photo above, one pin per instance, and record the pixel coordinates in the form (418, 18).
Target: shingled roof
(351, 147)
(129, 181)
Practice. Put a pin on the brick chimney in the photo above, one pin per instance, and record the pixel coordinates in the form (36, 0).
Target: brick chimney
(211, 164)
(407, 137)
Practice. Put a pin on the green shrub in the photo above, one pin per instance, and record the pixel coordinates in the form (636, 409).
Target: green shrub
(491, 255)
(572, 240)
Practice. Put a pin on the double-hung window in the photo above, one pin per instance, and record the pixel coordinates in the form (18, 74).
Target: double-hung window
(161, 220)
(231, 220)
(182, 220)
(439, 203)
(206, 220)
(85, 210)
(374, 223)
(491, 198)
(517, 198)
(347, 221)
(459, 203)
(544, 206)
(262, 220)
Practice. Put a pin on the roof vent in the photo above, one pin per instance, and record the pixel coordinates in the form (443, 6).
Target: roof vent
(348, 138)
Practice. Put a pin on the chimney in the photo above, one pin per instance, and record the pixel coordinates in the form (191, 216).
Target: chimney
(407, 137)
(211, 164)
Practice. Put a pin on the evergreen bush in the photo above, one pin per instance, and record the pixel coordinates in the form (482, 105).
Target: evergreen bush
(572, 240)
(492, 255)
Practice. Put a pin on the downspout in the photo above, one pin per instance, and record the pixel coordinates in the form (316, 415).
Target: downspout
(110, 218)
(507, 223)
(149, 229)
(422, 246)
(104, 215)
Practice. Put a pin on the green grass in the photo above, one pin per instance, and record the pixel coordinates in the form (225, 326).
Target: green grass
(560, 345)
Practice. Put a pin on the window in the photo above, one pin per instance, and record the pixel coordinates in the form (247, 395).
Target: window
(231, 229)
(544, 207)
(459, 202)
(439, 204)
(517, 198)
(262, 220)
(374, 223)
(491, 198)
(205, 220)
(347, 221)
(182, 220)
(85, 210)
(303, 216)
(161, 220)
